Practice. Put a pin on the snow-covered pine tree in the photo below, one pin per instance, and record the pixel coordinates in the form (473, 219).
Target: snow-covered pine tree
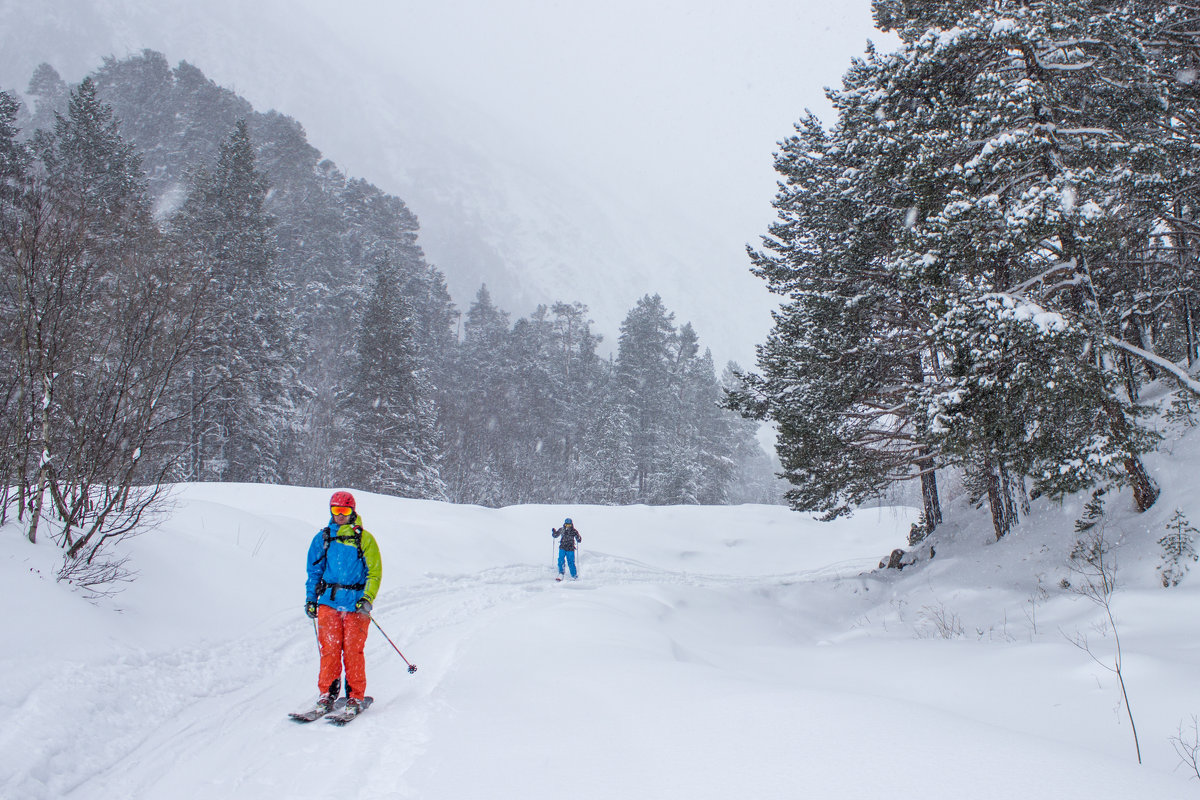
(14, 156)
(1007, 149)
(646, 353)
(1034, 171)
(244, 373)
(393, 446)
(47, 93)
(606, 459)
(1150, 294)
(534, 433)
(754, 478)
(851, 343)
(478, 404)
(586, 381)
(93, 171)
(141, 90)
(540, 429)
(1027, 125)
(681, 439)
(1178, 550)
(704, 437)
(1016, 400)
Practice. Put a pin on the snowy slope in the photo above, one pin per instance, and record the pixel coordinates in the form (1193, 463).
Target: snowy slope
(705, 652)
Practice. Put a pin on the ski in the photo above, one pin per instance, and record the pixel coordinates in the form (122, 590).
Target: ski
(348, 713)
(314, 713)
(307, 716)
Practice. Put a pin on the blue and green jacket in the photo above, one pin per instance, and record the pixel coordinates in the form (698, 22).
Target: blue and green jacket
(343, 565)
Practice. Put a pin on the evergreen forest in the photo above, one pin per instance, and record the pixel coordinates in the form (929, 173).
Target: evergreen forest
(191, 292)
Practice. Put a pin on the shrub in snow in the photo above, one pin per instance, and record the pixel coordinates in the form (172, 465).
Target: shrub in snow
(1182, 412)
(1179, 550)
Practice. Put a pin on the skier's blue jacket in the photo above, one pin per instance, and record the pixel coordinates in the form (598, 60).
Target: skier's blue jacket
(343, 565)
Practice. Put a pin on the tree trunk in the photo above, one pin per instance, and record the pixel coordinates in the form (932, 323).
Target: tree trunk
(929, 494)
(1000, 499)
(1127, 374)
(1190, 329)
(35, 507)
(1087, 304)
(1145, 490)
(35, 513)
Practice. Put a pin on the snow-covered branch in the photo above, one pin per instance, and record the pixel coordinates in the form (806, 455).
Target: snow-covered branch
(1065, 67)
(1063, 266)
(1178, 372)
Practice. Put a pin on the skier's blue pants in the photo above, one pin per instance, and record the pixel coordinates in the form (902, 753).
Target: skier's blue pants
(569, 557)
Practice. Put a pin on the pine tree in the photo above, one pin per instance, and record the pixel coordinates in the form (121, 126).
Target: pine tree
(754, 479)
(14, 157)
(1033, 141)
(998, 166)
(475, 447)
(579, 376)
(607, 466)
(48, 94)
(243, 377)
(394, 446)
(93, 171)
(1017, 400)
(851, 343)
(645, 355)
(537, 430)
(1179, 550)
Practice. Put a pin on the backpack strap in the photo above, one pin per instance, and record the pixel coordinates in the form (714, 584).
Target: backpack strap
(322, 585)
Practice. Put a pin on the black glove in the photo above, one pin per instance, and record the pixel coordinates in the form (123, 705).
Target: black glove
(363, 606)
(310, 608)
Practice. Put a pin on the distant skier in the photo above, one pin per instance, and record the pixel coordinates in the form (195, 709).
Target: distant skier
(567, 537)
(344, 570)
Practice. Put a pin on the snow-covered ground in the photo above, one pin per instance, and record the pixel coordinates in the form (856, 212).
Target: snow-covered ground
(704, 653)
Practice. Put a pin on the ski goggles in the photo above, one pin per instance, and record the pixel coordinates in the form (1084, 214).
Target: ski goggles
(341, 511)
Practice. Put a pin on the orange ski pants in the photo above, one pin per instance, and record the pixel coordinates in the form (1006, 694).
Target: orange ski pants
(342, 636)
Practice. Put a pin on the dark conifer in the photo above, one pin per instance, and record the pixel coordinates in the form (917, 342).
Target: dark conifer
(244, 376)
(393, 446)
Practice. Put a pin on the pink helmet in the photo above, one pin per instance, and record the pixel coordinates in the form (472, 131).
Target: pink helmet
(342, 498)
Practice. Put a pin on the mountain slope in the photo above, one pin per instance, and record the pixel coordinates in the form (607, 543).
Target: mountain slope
(492, 209)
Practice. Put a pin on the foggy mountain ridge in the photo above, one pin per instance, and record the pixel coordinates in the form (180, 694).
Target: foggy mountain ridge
(524, 223)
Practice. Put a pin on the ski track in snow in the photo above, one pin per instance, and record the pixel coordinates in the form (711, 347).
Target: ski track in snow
(157, 717)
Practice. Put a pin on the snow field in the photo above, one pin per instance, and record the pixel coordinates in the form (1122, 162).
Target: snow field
(705, 652)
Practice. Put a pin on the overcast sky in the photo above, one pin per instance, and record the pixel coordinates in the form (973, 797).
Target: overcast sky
(672, 109)
(684, 100)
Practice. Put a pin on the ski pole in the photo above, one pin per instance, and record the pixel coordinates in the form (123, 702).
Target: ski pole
(411, 667)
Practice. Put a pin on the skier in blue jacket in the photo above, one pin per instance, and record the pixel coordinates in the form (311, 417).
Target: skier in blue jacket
(567, 537)
(344, 571)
